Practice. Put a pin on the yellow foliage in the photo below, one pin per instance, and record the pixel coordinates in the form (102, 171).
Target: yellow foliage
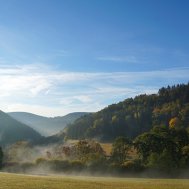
(174, 122)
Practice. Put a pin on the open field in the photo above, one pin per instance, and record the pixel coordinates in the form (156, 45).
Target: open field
(18, 181)
(107, 147)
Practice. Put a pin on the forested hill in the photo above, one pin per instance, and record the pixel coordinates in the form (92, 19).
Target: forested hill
(133, 116)
(12, 131)
(46, 126)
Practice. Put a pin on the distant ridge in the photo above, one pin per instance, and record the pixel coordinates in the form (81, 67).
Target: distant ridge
(12, 130)
(46, 126)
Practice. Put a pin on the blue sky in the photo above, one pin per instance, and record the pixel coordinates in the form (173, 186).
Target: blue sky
(62, 56)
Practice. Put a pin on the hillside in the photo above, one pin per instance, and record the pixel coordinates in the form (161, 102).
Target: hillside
(44, 125)
(12, 130)
(133, 116)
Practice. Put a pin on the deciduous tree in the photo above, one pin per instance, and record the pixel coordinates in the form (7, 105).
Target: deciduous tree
(120, 149)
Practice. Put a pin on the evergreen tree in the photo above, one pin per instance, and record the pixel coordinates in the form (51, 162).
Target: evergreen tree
(1, 157)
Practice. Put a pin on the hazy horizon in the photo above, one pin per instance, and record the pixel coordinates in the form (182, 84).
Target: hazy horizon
(64, 56)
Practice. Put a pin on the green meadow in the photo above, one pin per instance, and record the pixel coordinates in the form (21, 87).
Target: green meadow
(19, 181)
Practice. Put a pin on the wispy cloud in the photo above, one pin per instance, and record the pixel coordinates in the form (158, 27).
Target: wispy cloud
(61, 52)
(41, 89)
(130, 59)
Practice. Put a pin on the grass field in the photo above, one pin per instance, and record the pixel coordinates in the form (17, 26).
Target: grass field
(18, 181)
(107, 147)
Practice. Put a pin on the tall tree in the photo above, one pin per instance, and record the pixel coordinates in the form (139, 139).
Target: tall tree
(1, 157)
(120, 149)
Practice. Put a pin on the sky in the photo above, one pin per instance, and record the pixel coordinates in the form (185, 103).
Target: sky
(63, 56)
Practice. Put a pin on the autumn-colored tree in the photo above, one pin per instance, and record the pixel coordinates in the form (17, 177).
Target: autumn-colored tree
(174, 123)
(85, 149)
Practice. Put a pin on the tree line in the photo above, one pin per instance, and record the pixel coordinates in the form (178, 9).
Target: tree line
(135, 116)
(162, 149)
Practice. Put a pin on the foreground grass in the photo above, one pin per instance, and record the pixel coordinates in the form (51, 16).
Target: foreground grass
(16, 181)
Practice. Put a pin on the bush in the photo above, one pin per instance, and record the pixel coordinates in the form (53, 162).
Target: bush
(133, 165)
(114, 168)
(77, 165)
(40, 161)
(26, 166)
(185, 156)
(59, 165)
(162, 162)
